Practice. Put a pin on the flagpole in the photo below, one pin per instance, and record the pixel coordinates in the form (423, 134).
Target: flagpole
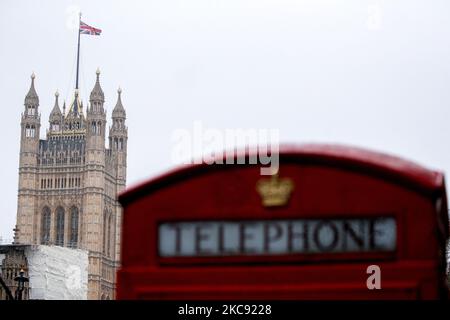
(78, 52)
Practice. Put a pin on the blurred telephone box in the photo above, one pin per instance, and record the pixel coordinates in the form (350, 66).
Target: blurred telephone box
(309, 232)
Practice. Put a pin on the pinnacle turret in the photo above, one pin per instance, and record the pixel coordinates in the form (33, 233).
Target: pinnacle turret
(119, 111)
(32, 99)
(56, 111)
(97, 94)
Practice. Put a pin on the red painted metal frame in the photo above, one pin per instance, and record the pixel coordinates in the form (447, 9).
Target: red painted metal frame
(330, 182)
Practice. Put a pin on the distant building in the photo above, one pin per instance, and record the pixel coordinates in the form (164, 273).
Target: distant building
(55, 273)
(68, 182)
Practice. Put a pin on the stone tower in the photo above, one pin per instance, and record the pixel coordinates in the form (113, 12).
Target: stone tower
(28, 165)
(69, 182)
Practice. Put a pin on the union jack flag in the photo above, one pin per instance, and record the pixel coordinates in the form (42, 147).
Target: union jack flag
(87, 29)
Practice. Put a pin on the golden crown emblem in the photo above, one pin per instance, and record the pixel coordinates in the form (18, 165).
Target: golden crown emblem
(274, 191)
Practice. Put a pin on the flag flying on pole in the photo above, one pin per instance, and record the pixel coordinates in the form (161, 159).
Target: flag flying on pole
(87, 29)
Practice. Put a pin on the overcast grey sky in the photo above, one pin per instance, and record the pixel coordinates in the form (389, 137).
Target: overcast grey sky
(369, 73)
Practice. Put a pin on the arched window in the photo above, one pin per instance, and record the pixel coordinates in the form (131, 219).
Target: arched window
(108, 240)
(99, 128)
(59, 226)
(107, 227)
(45, 226)
(27, 131)
(73, 242)
(105, 230)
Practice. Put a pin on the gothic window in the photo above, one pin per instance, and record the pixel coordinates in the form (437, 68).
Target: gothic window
(94, 127)
(31, 110)
(107, 225)
(30, 131)
(27, 131)
(105, 219)
(99, 128)
(45, 226)
(74, 227)
(59, 226)
(108, 246)
(116, 144)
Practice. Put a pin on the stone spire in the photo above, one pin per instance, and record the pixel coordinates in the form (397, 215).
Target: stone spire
(56, 111)
(97, 93)
(75, 109)
(32, 99)
(119, 111)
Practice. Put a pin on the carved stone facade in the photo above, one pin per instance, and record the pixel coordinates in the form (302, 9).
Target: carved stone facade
(69, 182)
(12, 260)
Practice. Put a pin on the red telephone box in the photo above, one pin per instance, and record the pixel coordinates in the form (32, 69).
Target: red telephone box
(316, 230)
